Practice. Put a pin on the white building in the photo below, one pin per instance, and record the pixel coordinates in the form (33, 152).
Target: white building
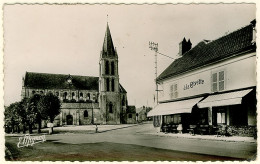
(212, 84)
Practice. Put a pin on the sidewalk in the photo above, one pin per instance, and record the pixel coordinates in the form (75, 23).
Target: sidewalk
(77, 129)
(150, 130)
(206, 137)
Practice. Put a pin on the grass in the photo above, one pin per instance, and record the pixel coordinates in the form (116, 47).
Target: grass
(104, 151)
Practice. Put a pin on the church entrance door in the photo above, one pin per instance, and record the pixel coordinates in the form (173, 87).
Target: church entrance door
(69, 119)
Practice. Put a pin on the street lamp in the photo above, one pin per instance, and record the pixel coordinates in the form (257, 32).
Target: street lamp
(92, 104)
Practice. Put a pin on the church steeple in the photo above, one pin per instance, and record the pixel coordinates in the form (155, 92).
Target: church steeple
(108, 49)
(109, 92)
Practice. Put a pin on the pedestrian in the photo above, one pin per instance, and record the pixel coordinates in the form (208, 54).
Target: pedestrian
(96, 128)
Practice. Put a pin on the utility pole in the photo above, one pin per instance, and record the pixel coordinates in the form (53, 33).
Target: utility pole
(154, 47)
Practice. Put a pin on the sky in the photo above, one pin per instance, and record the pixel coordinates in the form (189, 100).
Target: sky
(67, 39)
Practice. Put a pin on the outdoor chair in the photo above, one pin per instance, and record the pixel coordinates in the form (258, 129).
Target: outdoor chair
(221, 131)
(164, 128)
(192, 129)
(174, 128)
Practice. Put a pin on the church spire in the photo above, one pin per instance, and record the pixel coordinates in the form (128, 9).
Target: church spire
(108, 47)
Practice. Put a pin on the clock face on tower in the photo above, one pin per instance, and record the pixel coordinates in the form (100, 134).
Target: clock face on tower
(69, 81)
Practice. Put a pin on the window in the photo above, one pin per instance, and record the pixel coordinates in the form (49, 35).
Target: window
(123, 101)
(85, 113)
(113, 85)
(176, 118)
(130, 116)
(65, 95)
(81, 94)
(113, 68)
(33, 92)
(73, 95)
(110, 108)
(173, 91)
(88, 96)
(107, 67)
(219, 115)
(107, 81)
(218, 81)
(221, 118)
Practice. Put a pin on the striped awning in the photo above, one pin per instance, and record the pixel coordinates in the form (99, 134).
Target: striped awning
(224, 99)
(184, 106)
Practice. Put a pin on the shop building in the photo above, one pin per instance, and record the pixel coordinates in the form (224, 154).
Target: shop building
(211, 86)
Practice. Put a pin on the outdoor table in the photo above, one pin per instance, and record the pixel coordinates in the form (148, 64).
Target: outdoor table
(204, 129)
(192, 129)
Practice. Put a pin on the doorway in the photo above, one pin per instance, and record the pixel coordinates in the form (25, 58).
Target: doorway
(69, 119)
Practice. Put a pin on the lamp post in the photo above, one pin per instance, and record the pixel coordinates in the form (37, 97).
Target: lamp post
(92, 120)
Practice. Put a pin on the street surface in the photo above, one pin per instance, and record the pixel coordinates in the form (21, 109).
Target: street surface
(140, 135)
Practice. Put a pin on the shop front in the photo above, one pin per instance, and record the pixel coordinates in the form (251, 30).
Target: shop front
(234, 112)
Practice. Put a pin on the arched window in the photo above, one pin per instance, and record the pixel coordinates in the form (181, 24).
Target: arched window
(107, 67)
(110, 108)
(65, 95)
(113, 68)
(73, 95)
(113, 85)
(80, 94)
(85, 113)
(107, 84)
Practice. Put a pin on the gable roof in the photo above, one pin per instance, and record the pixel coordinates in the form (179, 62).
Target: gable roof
(59, 81)
(205, 53)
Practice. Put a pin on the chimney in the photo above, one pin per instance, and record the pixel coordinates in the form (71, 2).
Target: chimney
(184, 46)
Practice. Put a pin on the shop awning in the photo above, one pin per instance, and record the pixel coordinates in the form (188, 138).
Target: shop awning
(224, 99)
(176, 107)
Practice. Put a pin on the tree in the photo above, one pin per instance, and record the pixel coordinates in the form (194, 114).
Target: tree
(29, 108)
(49, 105)
(34, 101)
(11, 116)
(21, 111)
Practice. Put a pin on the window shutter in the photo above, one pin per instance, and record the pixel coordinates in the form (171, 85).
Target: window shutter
(214, 82)
(175, 91)
(221, 78)
(171, 91)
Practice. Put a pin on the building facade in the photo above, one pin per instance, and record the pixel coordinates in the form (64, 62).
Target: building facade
(85, 100)
(212, 84)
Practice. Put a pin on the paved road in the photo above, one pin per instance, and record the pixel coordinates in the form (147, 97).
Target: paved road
(136, 135)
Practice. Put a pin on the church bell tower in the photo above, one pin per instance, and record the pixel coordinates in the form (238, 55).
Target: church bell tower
(109, 96)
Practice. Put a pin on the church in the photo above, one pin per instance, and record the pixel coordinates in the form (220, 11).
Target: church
(86, 100)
